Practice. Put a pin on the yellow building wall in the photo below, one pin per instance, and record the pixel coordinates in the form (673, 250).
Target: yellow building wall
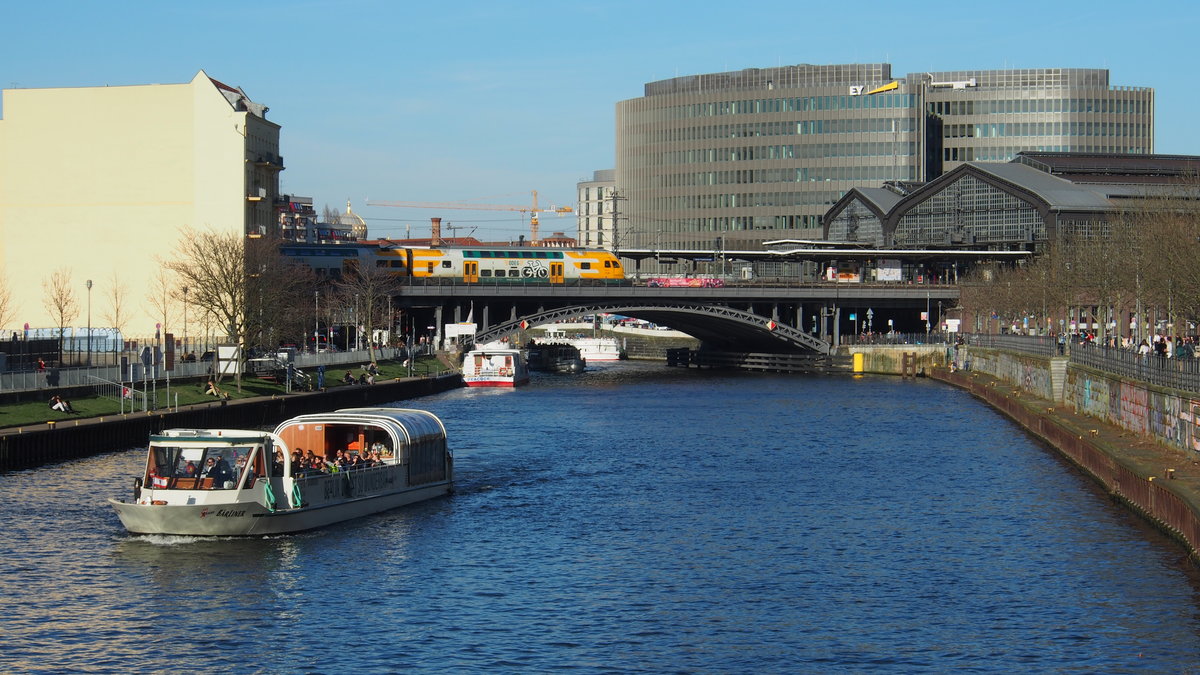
(101, 180)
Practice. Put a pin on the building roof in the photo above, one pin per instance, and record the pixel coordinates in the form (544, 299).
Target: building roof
(1081, 167)
(1057, 193)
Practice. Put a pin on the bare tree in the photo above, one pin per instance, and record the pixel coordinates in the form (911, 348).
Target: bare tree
(162, 297)
(8, 309)
(372, 288)
(60, 302)
(245, 286)
(116, 315)
(213, 267)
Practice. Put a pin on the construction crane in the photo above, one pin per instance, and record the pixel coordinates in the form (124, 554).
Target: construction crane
(533, 210)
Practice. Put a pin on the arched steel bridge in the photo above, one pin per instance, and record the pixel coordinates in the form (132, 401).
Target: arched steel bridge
(716, 326)
(800, 319)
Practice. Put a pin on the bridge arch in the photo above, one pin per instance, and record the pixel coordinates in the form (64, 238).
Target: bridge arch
(716, 326)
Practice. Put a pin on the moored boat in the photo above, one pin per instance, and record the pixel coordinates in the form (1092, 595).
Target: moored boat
(555, 358)
(591, 349)
(494, 367)
(229, 482)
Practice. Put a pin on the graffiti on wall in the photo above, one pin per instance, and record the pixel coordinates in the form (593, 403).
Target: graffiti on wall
(1169, 417)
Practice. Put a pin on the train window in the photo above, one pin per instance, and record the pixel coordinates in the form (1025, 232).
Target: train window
(446, 264)
(585, 265)
(470, 254)
(485, 273)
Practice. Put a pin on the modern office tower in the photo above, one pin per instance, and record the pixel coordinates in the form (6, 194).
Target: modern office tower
(730, 160)
(594, 210)
(102, 181)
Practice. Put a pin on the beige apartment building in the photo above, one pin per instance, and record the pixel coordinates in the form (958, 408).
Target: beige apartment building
(101, 182)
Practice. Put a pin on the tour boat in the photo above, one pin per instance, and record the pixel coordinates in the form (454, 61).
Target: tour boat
(228, 482)
(591, 349)
(549, 357)
(494, 367)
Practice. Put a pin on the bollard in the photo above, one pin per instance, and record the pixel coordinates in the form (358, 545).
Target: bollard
(1171, 474)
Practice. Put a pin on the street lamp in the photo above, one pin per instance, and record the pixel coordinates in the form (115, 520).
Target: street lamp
(89, 353)
(185, 323)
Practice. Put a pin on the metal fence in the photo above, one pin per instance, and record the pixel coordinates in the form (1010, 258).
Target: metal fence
(1181, 373)
(937, 338)
(147, 378)
(1041, 345)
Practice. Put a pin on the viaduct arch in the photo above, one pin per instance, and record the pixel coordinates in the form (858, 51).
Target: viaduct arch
(716, 326)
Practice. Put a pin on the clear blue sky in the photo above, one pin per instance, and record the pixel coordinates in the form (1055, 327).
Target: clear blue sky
(485, 101)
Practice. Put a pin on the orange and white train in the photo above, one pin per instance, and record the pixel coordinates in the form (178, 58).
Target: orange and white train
(480, 264)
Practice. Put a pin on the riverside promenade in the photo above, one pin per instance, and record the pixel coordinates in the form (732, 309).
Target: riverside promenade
(1159, 481)
(35, 445)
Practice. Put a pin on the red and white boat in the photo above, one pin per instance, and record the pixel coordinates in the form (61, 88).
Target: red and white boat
(495, 367)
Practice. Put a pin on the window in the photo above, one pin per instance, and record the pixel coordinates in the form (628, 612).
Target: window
(446, 264)
(485, 273)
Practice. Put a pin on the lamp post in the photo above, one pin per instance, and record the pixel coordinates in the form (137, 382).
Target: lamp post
(185, 323)
(89, 341)
(316, 320)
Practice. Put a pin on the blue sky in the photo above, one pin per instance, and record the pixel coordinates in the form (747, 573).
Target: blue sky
(486, 101)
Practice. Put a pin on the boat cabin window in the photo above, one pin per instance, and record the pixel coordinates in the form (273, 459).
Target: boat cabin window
(200, 468)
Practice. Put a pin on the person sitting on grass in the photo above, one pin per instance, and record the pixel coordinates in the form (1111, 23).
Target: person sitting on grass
(61, 404)
(211, 389)
(348, 378)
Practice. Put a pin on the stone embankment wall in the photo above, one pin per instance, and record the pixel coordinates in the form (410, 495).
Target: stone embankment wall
(1169, 416)
(35, 446)
(1125, 466)
(889, 359)
(1123, 432)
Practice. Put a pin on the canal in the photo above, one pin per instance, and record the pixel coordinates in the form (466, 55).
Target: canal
(633, 518)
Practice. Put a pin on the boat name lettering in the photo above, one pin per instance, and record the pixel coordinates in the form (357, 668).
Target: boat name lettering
(222, 513)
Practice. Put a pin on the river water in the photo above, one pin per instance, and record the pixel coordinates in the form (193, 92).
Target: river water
(633, 519)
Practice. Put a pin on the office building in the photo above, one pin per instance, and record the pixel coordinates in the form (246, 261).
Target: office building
(730, 160)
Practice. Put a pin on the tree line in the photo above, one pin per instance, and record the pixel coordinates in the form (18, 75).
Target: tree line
(239, 289)
(1133, 273)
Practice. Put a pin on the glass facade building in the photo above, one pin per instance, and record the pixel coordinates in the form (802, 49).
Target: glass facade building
(734, 159)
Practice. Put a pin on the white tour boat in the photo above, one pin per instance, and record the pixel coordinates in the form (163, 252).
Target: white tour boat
(591, 349)
(494, 367)
(227, 482)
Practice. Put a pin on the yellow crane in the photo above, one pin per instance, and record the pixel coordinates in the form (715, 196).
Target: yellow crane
(533, 210)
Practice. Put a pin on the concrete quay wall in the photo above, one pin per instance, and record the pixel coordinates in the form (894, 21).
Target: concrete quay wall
(1135, 440)
(889, 359)
(72, 439)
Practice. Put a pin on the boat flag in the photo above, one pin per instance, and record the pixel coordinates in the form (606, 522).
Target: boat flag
(524, 325)
(771, 325)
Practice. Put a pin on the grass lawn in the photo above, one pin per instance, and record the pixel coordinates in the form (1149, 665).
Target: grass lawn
(39, 412)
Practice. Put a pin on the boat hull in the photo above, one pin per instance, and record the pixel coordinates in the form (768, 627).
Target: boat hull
(237, 519)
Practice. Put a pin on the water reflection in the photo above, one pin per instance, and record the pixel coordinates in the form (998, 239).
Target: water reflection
(632, 519)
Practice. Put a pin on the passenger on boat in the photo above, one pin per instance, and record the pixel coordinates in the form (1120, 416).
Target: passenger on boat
(218, 470)
(241, 466)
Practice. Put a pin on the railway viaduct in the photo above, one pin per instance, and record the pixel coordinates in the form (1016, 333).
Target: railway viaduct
(758, 318)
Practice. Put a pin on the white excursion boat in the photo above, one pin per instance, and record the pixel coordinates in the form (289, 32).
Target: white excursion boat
(494, 367)
(591, 349)
(228, 482)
